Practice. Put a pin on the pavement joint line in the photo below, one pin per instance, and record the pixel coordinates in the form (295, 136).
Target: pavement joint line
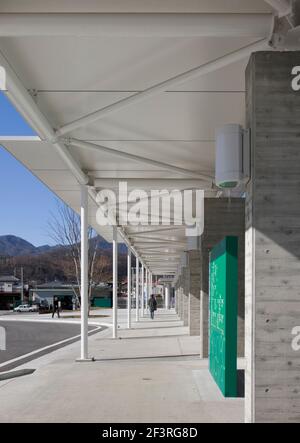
(151, 337)
(45, 348)
(146, 357)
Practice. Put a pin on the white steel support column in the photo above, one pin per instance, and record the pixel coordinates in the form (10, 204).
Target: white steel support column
(146, 288)
(137, 290)
(133, 280)
(128, 289)
(115, 282)
(152, 289)
(135, 24)
(167, 296)
(143, 290)
(149, 285)
(84, 273)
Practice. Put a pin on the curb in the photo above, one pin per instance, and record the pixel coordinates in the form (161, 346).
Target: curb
(15, 374)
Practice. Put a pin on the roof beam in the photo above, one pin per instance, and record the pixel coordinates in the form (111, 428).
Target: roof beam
(139, 238)
(203, 69)
(159, 265)
(163, 261)
(153, 231)
(154, 240)
(24, 103)
(134, 25)
(148, 161)
(173, 248)
(159, 242)
(159, 271)
(151, 184)
(148, 256)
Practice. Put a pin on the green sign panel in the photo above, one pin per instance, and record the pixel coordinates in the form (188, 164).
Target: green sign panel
(223, 294)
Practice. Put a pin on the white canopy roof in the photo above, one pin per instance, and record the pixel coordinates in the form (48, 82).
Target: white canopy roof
(75, 70)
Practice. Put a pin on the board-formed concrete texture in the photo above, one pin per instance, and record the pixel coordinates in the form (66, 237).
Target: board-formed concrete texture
(186, 292)
(182, 295)
(223, 217)
(194, 266)
(273, 240)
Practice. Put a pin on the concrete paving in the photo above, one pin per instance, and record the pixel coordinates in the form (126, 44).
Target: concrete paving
(151, 373)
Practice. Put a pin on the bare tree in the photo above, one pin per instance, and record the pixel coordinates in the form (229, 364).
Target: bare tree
(64, 229)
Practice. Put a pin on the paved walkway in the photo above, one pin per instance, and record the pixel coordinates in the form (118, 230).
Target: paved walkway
(152, 373)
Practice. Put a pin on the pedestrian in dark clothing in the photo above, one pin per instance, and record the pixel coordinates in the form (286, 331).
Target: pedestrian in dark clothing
(55, 307)
(152, 305)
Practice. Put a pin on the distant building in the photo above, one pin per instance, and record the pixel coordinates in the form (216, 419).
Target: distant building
(68, 295)
(44, 294)
(10, 291)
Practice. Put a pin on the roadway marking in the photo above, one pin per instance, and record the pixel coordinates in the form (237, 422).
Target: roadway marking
(50, 320)
(59, 321)
(58, 345)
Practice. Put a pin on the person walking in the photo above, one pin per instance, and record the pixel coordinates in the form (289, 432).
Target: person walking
(152, 303)
(55, 307)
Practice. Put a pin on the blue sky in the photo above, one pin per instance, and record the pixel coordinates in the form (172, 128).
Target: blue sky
(25, 202)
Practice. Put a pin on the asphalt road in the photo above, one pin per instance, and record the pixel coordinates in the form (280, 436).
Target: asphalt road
(25, 337)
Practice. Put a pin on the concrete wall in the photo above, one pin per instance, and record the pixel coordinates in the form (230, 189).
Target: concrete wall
(179, 297)
(273, 240)
(182, 295)
(185, 295)
(223, 217)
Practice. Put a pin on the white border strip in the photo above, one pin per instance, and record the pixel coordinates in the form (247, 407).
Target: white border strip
(53, 321)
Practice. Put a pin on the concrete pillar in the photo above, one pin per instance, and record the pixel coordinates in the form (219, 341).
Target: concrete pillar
(177, 298)
(194, 266)
(180, 298)
(222, 217)
(185, 295)
(273, 239)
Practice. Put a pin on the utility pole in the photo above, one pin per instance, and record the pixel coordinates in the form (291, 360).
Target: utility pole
(22, 284)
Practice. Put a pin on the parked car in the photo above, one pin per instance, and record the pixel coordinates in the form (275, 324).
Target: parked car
(25, 308)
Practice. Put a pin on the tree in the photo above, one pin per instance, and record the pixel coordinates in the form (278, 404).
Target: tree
(64, 229)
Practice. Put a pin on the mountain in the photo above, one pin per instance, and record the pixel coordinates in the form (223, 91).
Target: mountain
(13, 246)
(106, 246)
(44, 248)
(47, 263)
